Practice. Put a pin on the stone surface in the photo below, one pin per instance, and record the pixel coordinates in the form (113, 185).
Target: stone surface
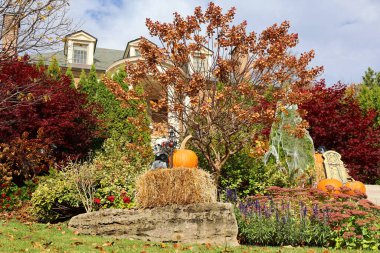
(213, 223)
(373, 193)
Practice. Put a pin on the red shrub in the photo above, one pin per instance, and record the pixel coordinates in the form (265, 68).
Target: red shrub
(53, 115)
(337, 123)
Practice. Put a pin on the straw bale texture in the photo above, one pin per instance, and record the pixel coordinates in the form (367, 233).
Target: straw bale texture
(179, 186)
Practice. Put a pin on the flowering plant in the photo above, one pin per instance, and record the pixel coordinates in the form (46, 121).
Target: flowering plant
(112, 197)
(11, 195)
(309, 217)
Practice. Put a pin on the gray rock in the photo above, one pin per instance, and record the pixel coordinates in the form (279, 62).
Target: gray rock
(213, 223)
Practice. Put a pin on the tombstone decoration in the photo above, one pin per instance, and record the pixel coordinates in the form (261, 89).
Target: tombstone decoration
(334, 167)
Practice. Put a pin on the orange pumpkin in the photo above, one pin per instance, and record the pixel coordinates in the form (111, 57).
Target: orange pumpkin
(185, 158)
(332, 182)
(356, 187)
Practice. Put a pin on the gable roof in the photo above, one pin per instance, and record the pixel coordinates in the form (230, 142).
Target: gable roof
(128, 47)
(75, 33)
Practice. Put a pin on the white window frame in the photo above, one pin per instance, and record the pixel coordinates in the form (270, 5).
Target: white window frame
(82, 49)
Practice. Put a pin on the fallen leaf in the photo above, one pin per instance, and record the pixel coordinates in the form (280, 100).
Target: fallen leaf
(77, 243)
(176, 245)
(63, 232)
(108, 244)
(100, 249)
(47, 244)
(11, 237)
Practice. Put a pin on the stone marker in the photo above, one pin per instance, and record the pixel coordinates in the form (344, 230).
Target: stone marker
(213, 223)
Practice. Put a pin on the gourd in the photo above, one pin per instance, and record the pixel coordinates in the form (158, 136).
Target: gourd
(357, 188)
(319, 167)
(333, 182)
(185, 158)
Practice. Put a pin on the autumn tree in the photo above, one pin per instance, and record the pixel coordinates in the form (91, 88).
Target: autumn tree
(34, 25)
(214, 77)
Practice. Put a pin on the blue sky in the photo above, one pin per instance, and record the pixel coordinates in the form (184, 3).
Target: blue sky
(345, 34)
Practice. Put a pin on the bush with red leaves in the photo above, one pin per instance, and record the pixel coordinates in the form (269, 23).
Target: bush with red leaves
(48, 113)
(337, 122)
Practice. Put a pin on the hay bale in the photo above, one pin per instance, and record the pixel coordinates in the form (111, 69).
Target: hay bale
(179, 186)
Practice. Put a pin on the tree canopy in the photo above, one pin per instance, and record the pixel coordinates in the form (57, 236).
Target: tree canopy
(215, 77)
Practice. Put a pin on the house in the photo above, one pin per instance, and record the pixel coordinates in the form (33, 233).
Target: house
(80, 52)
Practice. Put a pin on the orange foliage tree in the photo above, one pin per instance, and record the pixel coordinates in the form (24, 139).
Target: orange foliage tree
(220, 82)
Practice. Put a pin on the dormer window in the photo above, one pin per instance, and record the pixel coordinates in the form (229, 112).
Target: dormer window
(79, 48)
(132, 50)
(200, 61)
(199, 64)
(80, 54)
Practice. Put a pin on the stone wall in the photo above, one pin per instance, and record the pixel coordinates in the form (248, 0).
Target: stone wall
(213, 223)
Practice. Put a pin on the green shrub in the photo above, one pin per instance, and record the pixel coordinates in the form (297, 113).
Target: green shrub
(248, 175)
(114, 192)
(55, 198)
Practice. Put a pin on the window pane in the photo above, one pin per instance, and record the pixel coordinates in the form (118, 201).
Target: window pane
(199, 64)
(80, 54)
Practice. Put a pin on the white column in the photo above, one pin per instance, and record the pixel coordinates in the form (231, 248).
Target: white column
(70, 51)
(90, 53)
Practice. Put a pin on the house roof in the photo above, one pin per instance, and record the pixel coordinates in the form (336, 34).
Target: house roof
(103, 58)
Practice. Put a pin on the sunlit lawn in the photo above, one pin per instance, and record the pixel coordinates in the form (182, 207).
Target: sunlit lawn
(33, 237)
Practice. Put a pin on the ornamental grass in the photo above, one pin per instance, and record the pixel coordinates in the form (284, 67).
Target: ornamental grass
(179, 186)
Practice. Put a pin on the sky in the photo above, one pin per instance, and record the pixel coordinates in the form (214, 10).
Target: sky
(345, 34)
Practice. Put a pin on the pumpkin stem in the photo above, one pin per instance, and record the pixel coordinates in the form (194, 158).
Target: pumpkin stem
(183, 144)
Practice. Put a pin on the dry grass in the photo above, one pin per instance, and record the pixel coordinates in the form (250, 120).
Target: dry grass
(179, 186)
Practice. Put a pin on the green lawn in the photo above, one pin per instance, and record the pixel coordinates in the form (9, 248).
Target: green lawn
(19, 237)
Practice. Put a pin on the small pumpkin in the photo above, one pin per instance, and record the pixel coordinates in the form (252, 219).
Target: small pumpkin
(356, 187)
(185, 158)
(332, 182)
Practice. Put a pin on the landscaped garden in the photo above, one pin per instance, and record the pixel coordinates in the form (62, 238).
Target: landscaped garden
(79, 174)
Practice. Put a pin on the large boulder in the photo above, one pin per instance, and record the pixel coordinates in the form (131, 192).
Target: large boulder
(213, 223)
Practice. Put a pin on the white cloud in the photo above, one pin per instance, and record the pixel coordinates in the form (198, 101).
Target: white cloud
(344, 33)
